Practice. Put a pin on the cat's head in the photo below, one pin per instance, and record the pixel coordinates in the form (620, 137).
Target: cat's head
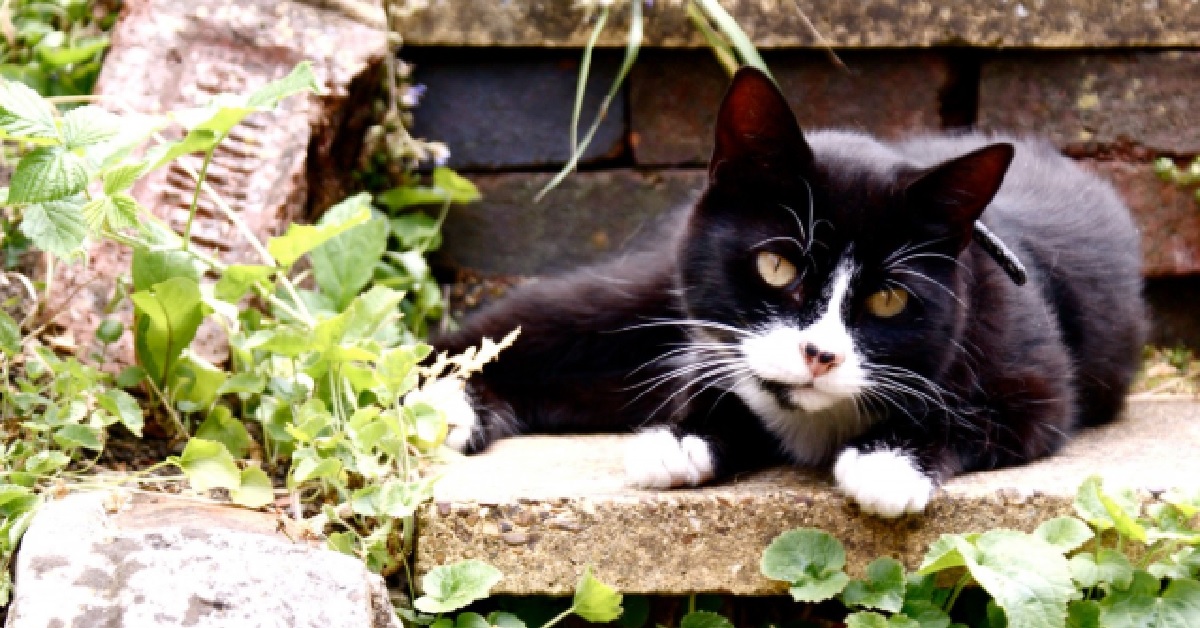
(827, 270)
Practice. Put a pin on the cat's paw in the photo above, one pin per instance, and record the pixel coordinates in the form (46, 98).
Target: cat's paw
(451, 397)
(884, 482)
(658, 459)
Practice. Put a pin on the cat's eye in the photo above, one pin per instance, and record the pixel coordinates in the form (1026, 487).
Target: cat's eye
(887, 303)
(775, 270)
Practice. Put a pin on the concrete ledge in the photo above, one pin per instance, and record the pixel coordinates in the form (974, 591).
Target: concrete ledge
(844, 23)
(542, 508)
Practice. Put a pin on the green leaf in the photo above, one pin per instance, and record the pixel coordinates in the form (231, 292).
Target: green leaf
(1188, 502)
(23, 113)
(195, 382)
(1083, 614)
(123, 177)
(1140, 605)
(883, 588)
(207, 464)
(75, 436)
(119, 211)
(10, 335)
(48, 173)
(1112, 568)
(875, 620)
(237, 279)
(811, 560)
(151, 267)
(1091, 507)
(87, 125)
(704, 619)
(407, 196)
(109, 330)
(451, 587)
(222, 427)
(595, 601)
(1066, 533)
(301, 239)
(170, 314)
(505, 620)
(80, 51)
(417, 231)
(244, 383)
(1124, 516)
(123, 406)
(471, 620)
(300, 79)
(46, 462)
(255, 490)
(344, 265)
(457, 189)
(56, 227)
(194, 142)
(130, 376)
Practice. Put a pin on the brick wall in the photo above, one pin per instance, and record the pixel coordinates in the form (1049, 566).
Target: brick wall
(505, 113)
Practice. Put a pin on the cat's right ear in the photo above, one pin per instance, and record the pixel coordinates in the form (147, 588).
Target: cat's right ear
(757, 133)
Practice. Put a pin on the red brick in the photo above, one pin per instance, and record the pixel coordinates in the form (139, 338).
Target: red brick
(1085, 102)
(675, 96)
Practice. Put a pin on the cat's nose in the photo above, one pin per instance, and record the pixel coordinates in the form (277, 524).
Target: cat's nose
(820, 362)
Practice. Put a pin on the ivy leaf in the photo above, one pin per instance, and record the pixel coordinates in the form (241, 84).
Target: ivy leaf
(301, 239)
(704, 619)
(451, 587)
(1066, 533)
(1140, 605)
(56, 227)
(875, 620)
(24, 113)
(207, 464)
(254, 490)
(87, 125)
(170, 314)
(123, 406)
(10, 335)
(595, 601)
(222, 427)
(810, 560)
(1113, 567)
(48, 173)
(883, 589)
(344, 265)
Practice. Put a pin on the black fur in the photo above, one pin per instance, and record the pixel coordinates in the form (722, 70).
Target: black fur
(1009, 372)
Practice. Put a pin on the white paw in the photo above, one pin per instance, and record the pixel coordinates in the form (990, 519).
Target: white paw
(657, 459)
(885, 482)
(450, 397)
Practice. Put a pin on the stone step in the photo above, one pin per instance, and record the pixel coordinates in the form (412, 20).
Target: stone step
(542, 508)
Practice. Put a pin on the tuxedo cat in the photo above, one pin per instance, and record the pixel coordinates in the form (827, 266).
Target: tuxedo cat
(825, 303)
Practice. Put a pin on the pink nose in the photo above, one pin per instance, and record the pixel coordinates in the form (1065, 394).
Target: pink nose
(820, 362)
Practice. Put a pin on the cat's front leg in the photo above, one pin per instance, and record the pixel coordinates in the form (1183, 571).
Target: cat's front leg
(885, 480)
(660, 458)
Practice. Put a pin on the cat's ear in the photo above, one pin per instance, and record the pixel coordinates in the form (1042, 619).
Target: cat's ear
(947, 199)
(756, 130)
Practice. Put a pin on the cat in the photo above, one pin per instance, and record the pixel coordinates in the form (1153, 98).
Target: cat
(824, 303)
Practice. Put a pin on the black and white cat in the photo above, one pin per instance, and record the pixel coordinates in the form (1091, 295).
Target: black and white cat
(825, 303)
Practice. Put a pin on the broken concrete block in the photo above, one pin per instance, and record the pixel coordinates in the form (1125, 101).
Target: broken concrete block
(121, 560)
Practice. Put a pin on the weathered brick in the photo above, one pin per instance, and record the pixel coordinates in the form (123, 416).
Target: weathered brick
(675, 96)
(1086, 101)
(1167, 216)
(588, 216)
(511, 109)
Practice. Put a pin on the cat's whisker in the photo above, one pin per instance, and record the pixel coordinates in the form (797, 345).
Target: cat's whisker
(781, 239)
(691, 322)
(730, 369)
(798, 225)
(948, 291)
(687, 369)
(726, 374)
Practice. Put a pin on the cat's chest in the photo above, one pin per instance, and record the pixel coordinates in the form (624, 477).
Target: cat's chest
(810, 438)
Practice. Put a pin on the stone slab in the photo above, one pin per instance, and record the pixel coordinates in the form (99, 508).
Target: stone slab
(169, 55)
(542, 508)
(675, 97)
(124, 560)
(1085, 102)
(508, 109)
(587, 218)
(844, 23)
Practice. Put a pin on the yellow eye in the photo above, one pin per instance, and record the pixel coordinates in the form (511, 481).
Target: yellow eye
(887, 303)
(775, 270)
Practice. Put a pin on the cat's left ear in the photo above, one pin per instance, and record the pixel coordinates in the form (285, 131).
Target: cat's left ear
(757, 133)
(950, 197)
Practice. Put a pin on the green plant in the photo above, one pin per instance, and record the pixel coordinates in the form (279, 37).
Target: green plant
(54, 46)
(1116, 564)
(1187, 177)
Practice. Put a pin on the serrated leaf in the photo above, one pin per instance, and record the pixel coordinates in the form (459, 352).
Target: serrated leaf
(222, 427)
(254, 490)
(1066, 533)
(811, 560)
(451, 587)
(123, 406)
(48, 173)
(1140, 606)
(88, 125)
(704, 619)
(119, 211)
(10, 335)
(169, 315)
(123, 177)
(882, 590)
(23, 113)
(56, 227)
(237, 279)
(301, 239)
(1113, 568)
(595, 601)
(345, 264)
(207, 464)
